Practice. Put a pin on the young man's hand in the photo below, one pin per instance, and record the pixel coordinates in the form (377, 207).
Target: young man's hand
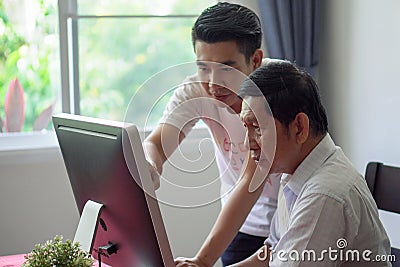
(155, 175)
(189, 262)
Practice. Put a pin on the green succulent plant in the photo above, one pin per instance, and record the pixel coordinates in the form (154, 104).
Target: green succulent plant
(56, 253)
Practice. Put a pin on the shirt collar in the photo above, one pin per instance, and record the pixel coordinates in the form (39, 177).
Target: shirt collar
(325, 148)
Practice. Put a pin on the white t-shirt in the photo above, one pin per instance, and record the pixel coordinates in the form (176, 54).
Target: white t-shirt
(189, 104)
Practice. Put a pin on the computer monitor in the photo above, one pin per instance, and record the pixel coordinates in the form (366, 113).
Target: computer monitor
(120, 218)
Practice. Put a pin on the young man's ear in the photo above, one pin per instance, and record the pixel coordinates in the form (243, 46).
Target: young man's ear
(302, 127)
(256, 59)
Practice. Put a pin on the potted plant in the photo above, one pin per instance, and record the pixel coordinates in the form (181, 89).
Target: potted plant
(56, 253)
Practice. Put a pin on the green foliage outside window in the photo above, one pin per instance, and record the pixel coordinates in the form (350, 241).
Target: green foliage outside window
(117, 55)
(31, 56)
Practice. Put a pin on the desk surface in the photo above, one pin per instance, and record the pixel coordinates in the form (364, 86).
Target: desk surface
(17, 260)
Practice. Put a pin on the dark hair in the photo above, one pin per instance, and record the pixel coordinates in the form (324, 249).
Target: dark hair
(229, 22)
(288, 90)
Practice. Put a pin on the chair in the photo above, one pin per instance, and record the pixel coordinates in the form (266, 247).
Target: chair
(384, 183)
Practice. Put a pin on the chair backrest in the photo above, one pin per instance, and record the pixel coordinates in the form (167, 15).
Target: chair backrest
(384, 183)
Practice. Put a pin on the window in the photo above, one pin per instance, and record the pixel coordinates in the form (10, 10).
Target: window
(115, 46)
(108, 49)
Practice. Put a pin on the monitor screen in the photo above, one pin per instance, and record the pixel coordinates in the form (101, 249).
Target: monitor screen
(106, 165)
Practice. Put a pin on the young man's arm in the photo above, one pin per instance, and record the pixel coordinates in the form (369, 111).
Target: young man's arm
(159, 145)
(229, 221)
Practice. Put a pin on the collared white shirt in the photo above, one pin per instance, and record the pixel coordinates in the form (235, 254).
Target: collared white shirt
(331, 218)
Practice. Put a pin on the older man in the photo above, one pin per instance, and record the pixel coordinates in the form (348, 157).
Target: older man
(326, 215)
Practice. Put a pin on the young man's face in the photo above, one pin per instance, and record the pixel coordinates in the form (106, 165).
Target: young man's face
(222, 68)
(270, 145)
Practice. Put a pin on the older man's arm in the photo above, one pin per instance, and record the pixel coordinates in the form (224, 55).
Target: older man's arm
(258, 259)
(230, 219)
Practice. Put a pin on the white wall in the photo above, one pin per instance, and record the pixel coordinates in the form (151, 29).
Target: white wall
(36, 201)
(359, 71)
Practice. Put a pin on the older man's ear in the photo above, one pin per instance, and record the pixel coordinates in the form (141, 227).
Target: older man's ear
(301, 127)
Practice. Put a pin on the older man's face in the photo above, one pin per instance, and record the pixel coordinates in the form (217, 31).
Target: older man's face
(267, 137)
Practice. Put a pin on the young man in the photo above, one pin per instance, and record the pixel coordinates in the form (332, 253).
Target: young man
(326, 215)
(226, 39)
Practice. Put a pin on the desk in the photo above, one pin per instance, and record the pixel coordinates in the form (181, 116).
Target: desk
(17, 260)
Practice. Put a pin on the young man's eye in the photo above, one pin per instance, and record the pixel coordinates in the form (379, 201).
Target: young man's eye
(203, 69)
(226, 69)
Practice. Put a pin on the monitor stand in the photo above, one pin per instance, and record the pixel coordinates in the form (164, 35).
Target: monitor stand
(88, 225)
